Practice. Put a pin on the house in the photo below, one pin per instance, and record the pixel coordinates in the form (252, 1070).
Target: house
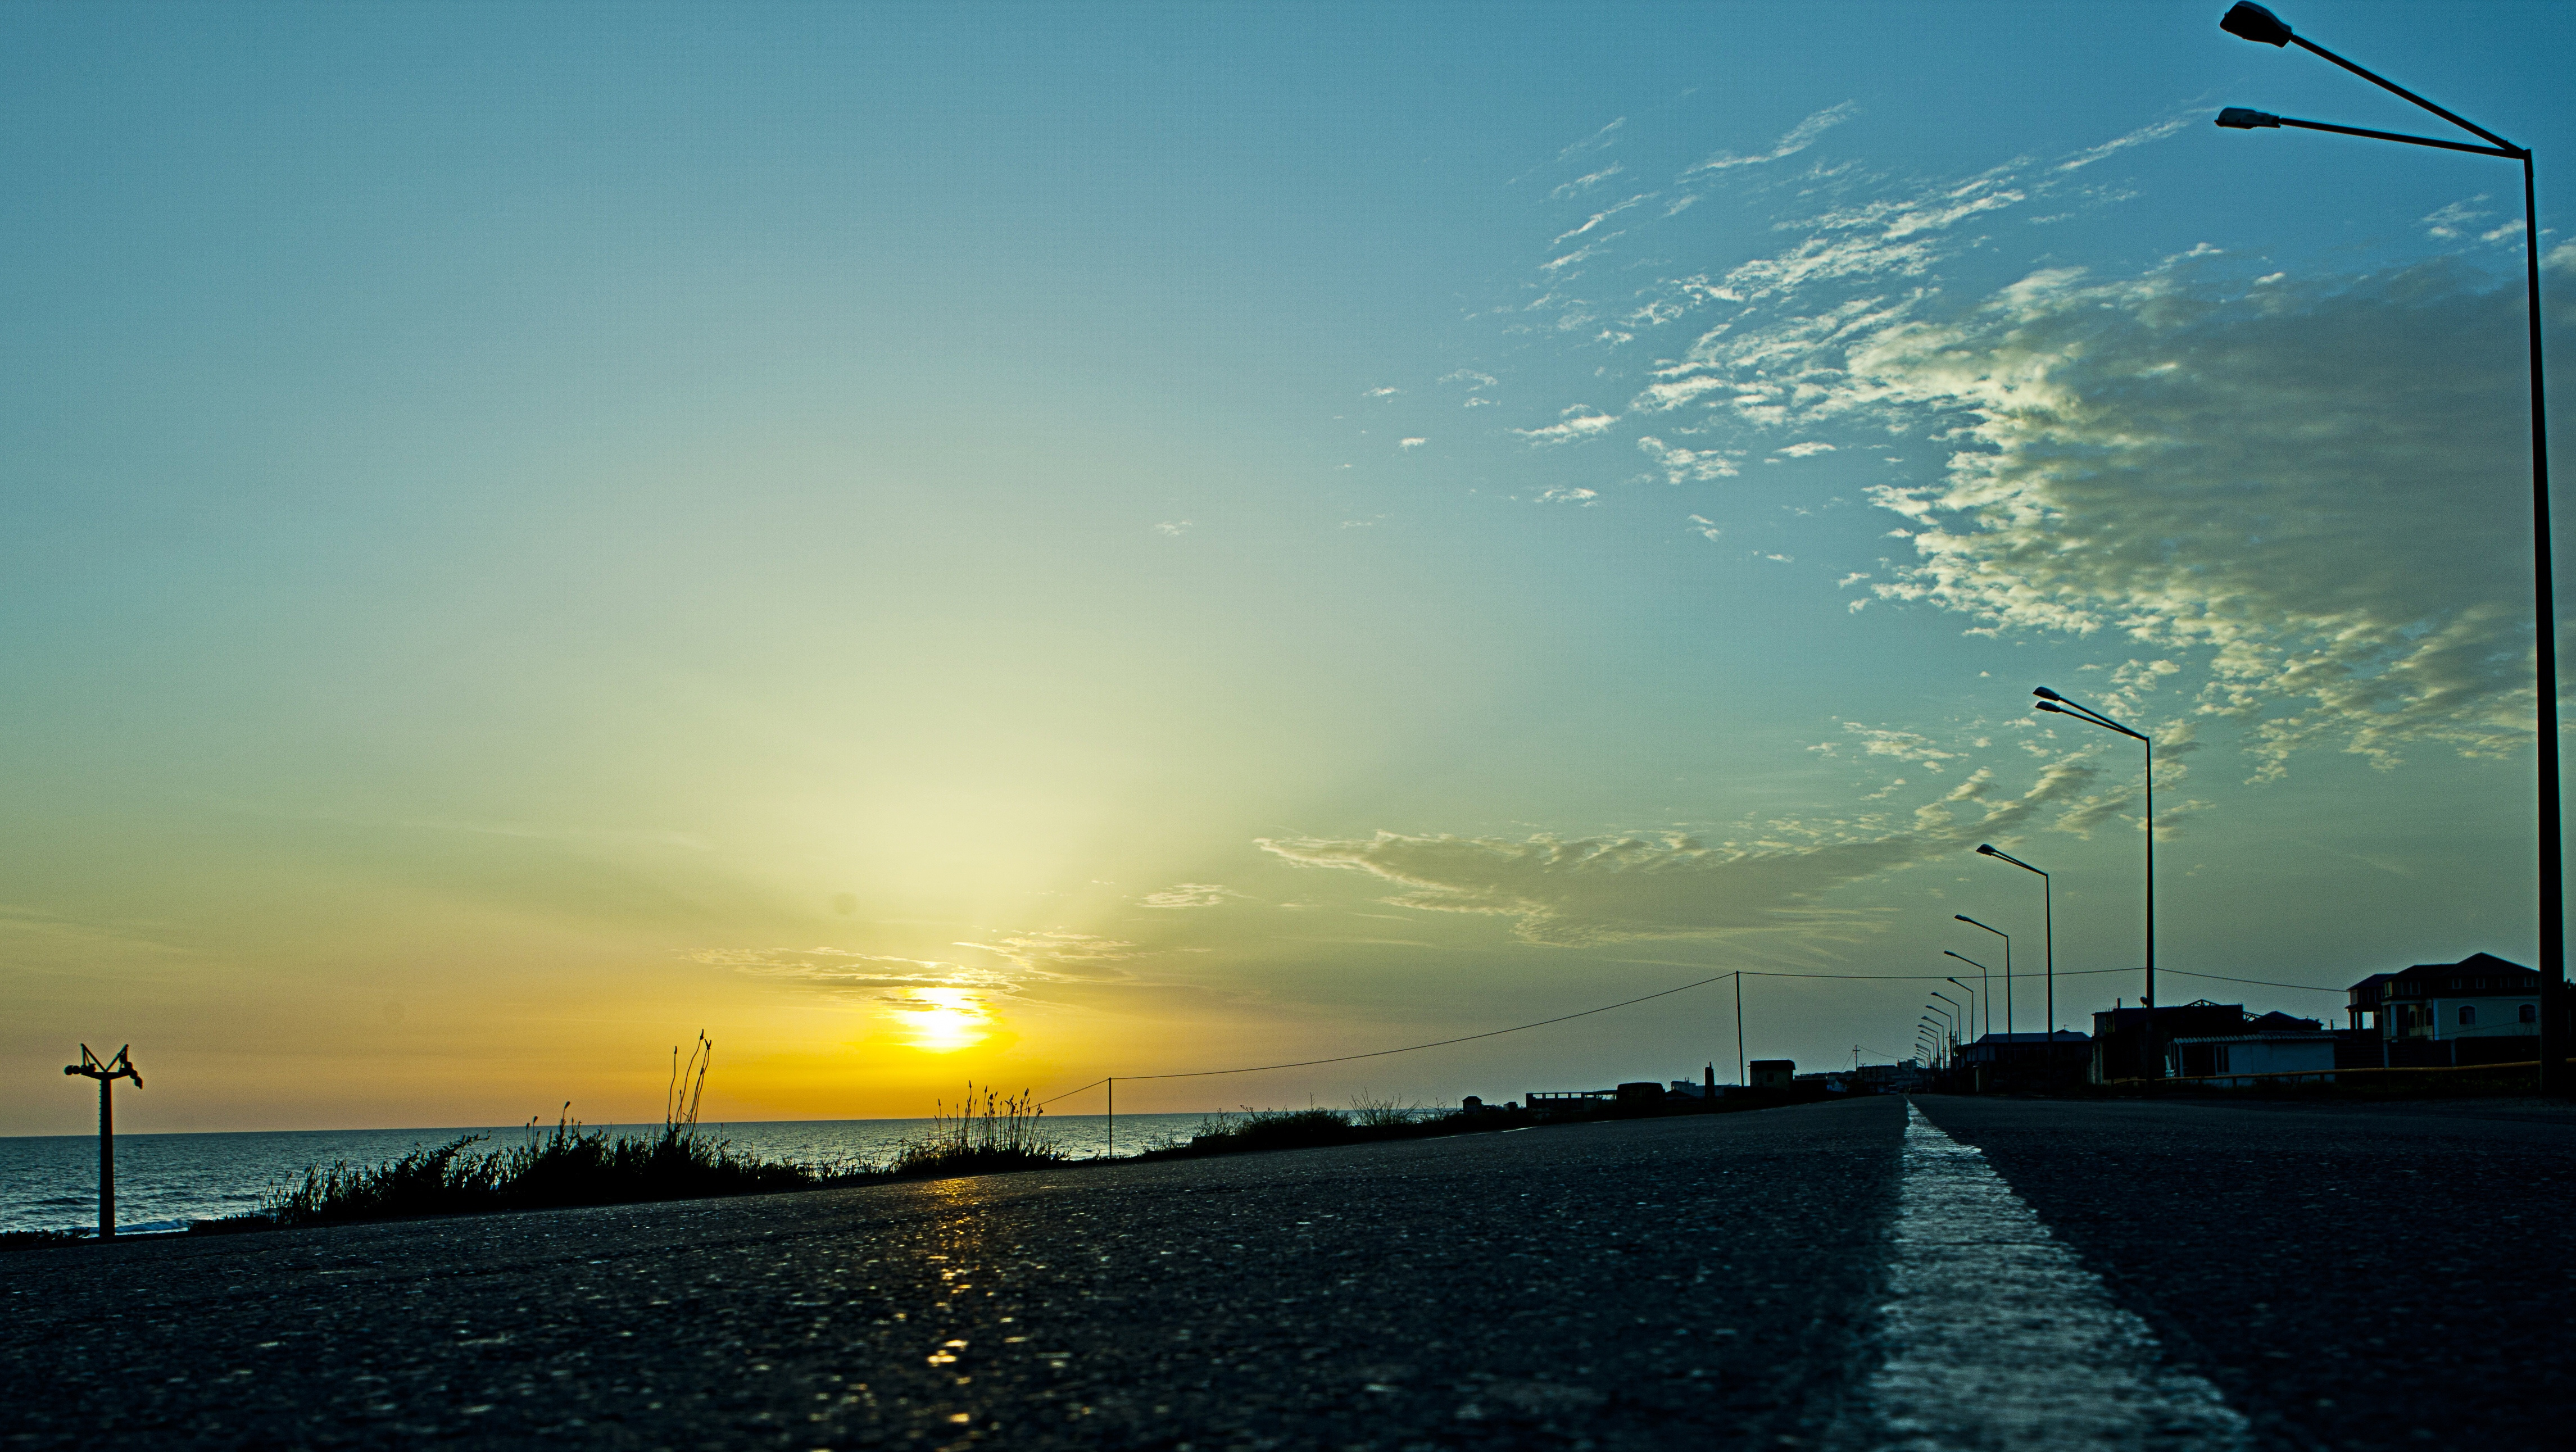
(2480, 1010)
(1773, 1073)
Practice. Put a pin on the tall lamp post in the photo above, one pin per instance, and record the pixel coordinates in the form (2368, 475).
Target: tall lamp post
(1988, 1026)
(1987, 977)
(2051, 701)
(1949, 1021)
(2008, 993)
(2254, 23)
(2048, 934)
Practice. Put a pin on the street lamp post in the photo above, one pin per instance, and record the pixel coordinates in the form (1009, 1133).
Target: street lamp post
(2051, 701)
(1987, 974)
(1988, 1027)
(2008, 983)
(2253, 22)
(1956, 1011)
(2048, 937)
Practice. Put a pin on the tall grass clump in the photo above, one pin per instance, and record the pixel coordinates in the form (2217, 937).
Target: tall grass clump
(1269, 1129)
(569, 1165)
(1371, 1112)
(1008, 1134)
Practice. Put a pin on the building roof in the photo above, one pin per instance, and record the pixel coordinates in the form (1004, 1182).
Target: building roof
(2286, 1036)
(2474, 974)
(2064, 1036)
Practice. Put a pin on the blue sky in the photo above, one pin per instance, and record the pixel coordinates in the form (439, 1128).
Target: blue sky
(1043, 541)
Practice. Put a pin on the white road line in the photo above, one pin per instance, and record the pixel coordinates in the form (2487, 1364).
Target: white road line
(1999, 1338)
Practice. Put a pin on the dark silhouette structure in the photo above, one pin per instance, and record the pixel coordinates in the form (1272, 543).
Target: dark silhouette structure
(2252, 22)
(120, 1067)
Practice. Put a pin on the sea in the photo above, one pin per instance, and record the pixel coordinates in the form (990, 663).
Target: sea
(164, 1181)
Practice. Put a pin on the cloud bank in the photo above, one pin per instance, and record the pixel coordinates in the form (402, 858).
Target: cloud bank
(1583, 892)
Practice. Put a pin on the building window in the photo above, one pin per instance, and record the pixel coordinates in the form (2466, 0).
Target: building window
(2530, 1013)
(2468, 1015)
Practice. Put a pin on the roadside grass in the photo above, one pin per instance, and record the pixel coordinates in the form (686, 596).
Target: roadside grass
(1366, 1121)
(569, 1165)
(1008, 1134)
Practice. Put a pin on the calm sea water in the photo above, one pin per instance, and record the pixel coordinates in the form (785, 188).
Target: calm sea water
(163, 1181)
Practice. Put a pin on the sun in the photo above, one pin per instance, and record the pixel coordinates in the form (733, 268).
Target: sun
(944, 1020)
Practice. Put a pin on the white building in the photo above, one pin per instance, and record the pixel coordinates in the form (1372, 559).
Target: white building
(2215, 1057)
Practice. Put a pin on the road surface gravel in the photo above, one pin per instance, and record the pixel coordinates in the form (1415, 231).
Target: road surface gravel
(2346, 1279)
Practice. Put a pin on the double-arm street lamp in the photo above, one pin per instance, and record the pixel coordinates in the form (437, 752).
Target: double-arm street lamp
(2253, 22)
(2008, 984)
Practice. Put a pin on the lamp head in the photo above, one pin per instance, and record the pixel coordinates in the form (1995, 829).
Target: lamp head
(2050, 706)
(2248, 21)
(2045, 694)
(2237, 118)
(1984, 850)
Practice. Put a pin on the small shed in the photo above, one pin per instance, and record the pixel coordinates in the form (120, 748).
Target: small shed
(1773, 1073)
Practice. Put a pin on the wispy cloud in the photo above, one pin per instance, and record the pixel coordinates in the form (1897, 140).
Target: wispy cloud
(1059, 955)
(2153, 131)
(1581, 421)
(1583, 184)
(1577, 892)
(1189, 895)
(844, 970)
(1796, 139)
(1685, 466)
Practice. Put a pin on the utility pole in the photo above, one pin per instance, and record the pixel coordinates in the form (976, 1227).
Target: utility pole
(120, 1067)
(1740, 1076)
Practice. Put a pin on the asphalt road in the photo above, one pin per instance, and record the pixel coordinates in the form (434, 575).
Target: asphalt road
(2343, 1279)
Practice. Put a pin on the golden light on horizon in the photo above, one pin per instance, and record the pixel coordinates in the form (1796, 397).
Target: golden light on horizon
(944, 1020)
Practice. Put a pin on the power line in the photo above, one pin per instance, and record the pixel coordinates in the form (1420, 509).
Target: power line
(1439, 1044)
(1630, 1002)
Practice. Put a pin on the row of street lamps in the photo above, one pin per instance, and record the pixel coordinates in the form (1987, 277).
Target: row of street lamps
(2252, 22)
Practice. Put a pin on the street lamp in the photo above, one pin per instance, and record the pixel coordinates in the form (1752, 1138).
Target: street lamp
(2253, 22)
(2051, 701)
(1949, 1017)
(2047, 939)
(1990, 996)
(2008, 993)
(1972, 1005)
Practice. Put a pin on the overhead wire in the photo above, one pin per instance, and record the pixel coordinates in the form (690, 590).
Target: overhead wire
(1631, 1002)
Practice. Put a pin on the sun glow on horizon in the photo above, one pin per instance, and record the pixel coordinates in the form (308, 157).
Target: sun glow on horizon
(944, 1020)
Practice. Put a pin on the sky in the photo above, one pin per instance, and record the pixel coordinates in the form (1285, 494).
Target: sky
(1023, 543)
